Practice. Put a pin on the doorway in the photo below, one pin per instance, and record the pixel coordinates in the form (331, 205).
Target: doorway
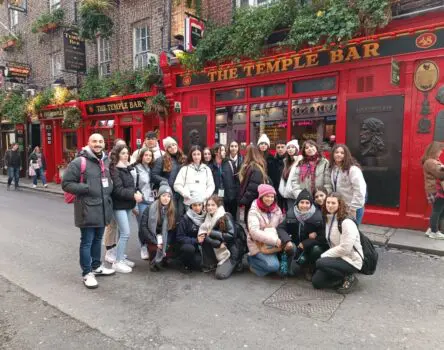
(127, 135)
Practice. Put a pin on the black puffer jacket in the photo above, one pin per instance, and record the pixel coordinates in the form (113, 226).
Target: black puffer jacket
(271, 168)
(93, 206)
(248, 189)
(159, 174)
(187, 231)
(233, 237)
(230, 178)
(124, 188)
(292, 230)
(217, 176)
(275, 173)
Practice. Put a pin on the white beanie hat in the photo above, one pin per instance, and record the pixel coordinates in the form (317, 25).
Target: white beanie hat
(294, 143)
(168, 141)
(263, 139)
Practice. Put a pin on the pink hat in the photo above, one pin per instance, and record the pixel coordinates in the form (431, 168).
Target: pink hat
(265, 189)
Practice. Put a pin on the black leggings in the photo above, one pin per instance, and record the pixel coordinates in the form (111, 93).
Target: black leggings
(190, 256)
(232, 207)
(330, 272)
(437, 213)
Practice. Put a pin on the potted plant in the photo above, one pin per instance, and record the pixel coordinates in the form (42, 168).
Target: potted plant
(94, 21)
(71, 118)
(158, 104)
(13, 107)
(48, 22)
(10, 41)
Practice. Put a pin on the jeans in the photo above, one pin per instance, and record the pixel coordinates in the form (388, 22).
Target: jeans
(359, 215)
(13, 173)
(264, 264)
(90, 248)
(39, 173)
(190, 256)
(123, 223)
(330, 272)
(437, 213)
(141, 208)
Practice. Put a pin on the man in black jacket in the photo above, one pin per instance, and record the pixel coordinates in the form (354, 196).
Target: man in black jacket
(93, 208)
(276, 174)
(13, 162)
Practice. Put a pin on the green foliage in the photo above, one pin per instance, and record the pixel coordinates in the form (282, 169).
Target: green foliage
(158, 104)
(71, 118)
(17, 39)
(13, 107)
(43, 99)
(93, 19)
(48, 19)
(320, 22)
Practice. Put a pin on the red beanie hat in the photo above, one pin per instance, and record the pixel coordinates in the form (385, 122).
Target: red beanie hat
(265, 189)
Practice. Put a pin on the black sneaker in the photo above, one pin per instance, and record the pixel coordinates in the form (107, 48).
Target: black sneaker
(207, 269)
(348, 285)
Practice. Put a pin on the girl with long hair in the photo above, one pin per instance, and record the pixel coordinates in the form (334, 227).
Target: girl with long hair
(290, 162)
(312, 171)
(253, 173)
(38, 163)
(221, 245)
(320, 195)
(195, 178)
(433, 176)
(207, 156)
(218, 153)
(125, 196)
(230, 177)
(347, 180)
(158, 227)
(337, 266)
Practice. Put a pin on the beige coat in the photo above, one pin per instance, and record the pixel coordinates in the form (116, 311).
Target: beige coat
(432, 171)
(342, 245)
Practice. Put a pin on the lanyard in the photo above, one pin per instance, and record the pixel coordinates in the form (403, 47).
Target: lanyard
(335, 180)
(329, 229)
(102, 167)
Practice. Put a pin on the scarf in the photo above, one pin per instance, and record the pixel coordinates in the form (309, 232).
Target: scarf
(197, 219)
(308, 167)
(262, 207)
(222, 254)
(160, 254)
(304, 216)
(121, 164)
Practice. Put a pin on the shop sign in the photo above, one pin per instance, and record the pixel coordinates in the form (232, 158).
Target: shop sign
(131, 105)
(177, 107)
(194, 29)
(74, 51)
(426, 76)
(53, 114)
(49, 134)
(18, 5)
(385, 47)
(17, 70)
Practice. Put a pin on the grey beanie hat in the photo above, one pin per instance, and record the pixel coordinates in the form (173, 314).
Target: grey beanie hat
(196, 198)
(164, 188)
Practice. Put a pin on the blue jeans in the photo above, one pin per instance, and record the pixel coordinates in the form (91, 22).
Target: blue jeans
(264, 264)
(359, 215)
(39, 173)
(13, 173)
(141, 208)
(123, 223)
(90, 248)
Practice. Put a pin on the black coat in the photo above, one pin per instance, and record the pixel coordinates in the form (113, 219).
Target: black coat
(13, 159)
(292, 230)
(159, 175)
(93, 206)
(230, 177)
(271, 168)
(187, 231)
(232, 237)
(217, 176)
(275, 173)
(150, 226)
(124, 188)
(248, 190)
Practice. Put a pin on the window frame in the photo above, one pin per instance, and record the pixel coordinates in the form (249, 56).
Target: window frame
(54, 5)
(54, 56)
(253, 3)
(13, 20)
(103, 55)
(137, 43)
(333, 91)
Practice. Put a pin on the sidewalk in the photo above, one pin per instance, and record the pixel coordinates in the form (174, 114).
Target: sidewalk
(383, 236)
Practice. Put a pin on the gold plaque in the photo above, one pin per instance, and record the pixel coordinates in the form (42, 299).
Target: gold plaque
(426, 76)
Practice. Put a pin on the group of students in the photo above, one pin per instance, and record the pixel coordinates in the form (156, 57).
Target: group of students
(301, 210)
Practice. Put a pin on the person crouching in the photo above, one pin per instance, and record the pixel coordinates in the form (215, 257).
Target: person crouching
(158, 227)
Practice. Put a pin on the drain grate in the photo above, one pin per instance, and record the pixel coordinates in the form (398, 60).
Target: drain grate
(305, 301)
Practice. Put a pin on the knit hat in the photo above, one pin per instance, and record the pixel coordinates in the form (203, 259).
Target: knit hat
(304, 194)
(263, 139)
(294, 143)
(196, 198)
(151, 135)
(164, 188)
(168, 141)
(265, 189)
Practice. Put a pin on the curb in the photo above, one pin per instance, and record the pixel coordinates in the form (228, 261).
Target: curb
(430, 251)
(36, 190)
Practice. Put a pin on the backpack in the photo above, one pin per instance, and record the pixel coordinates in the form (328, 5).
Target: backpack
(370, 258)
(69, 197)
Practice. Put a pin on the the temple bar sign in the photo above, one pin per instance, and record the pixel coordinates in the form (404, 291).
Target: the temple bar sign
(385, 47)
(131, 105)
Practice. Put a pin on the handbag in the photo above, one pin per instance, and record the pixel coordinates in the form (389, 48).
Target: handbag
(31, 171)
(70, 197)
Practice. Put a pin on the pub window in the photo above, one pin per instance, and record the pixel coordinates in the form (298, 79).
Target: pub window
(231, 124)
(227, 95)
(104, 56)
(13, 18)
(314, 119)
(69, 145)
(311, 85)
(56, 64)
(54, 5)
(270, 119)
(268, 90)
(141, 47)
(246, 3)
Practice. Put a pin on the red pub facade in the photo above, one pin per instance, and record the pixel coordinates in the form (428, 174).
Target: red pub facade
(380, 95)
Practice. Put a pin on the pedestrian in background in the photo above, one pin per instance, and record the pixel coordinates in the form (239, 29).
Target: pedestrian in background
(347, 180)
(93, 206)
(13, 164)
(433, 182)
(38, 164)
(207, 156)
(151, 143)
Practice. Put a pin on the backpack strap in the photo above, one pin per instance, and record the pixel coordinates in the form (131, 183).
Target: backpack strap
(82, 168)
(359, 232)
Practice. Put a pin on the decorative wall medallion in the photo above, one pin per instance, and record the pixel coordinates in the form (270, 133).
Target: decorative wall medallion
(440, 95)
(426, 76)
(424, 126)
(426, 40)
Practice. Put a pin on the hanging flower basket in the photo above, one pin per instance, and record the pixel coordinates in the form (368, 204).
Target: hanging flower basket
(158, 104)
(71, 118)
(9, 42)
(48, 22)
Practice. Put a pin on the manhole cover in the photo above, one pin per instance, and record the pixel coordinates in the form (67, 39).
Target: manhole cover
(305, 301)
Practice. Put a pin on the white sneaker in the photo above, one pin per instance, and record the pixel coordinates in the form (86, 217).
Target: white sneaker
(103, 271)
(436, 235)
(34, 186)
(129, 263)
(144, 255)
(110, 255)
(90, 281)
(428, 232)
(45, 186)
(121, 267)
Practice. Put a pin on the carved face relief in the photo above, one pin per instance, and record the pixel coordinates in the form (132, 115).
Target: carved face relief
(372, 137)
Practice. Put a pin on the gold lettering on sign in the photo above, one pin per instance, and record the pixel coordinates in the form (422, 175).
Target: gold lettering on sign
(336, 56)
(260, 68)
(312, 60)
(297, 62)
(352, 54)
(273, 67)
(286, 62)
(248, 69)
(212, 75)
(233, 73)
(371, 50)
